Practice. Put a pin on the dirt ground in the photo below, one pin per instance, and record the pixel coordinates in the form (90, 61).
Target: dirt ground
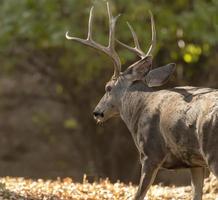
(67, 189)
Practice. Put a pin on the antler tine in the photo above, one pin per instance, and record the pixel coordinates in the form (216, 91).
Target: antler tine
(89, 36)
(137, 48)
(111, 42)
(110, 49)
(89, 41)
(112, 23)
(153, 37)
(111, 28)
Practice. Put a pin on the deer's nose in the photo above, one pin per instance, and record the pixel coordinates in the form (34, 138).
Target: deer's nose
(98, 114)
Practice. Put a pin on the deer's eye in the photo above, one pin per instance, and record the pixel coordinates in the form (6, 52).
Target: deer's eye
(108, 88)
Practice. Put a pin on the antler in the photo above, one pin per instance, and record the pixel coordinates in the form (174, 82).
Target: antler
(137, 49)
(108, 50)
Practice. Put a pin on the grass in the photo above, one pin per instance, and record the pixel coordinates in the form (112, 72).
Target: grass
(66, 189)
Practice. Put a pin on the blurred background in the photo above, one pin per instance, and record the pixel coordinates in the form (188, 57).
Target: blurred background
(49, 86)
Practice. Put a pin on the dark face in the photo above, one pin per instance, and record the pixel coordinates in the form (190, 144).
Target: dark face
(114, 89)
(110, 103)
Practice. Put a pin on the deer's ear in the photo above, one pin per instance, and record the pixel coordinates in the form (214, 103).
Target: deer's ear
(138, 70)
(159, 76)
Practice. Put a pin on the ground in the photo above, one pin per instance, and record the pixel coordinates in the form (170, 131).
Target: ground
(66, 189)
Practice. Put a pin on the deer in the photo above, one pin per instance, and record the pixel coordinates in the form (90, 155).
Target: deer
(172, 128)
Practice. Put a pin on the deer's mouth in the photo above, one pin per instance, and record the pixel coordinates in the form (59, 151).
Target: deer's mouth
(99, 119)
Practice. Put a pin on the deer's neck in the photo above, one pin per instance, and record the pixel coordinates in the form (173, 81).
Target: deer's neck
(134, 104)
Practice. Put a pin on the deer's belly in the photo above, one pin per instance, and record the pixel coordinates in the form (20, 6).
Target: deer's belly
(176, 162)
(184, 150)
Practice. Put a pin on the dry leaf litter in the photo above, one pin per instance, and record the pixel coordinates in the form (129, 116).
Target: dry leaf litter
(66, 189)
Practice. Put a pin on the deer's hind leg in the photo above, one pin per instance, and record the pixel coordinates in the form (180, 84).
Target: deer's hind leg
(209, 143)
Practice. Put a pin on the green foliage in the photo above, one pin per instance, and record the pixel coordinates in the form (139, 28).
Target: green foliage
(40, 118)
(42, 24)
(70, 123)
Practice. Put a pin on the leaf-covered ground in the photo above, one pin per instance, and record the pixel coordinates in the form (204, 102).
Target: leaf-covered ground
(23, 189)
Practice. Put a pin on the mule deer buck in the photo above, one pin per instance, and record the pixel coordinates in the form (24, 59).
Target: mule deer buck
(172, 128)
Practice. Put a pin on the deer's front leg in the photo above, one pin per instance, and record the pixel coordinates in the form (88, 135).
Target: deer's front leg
(148, 173)
(197, 181)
